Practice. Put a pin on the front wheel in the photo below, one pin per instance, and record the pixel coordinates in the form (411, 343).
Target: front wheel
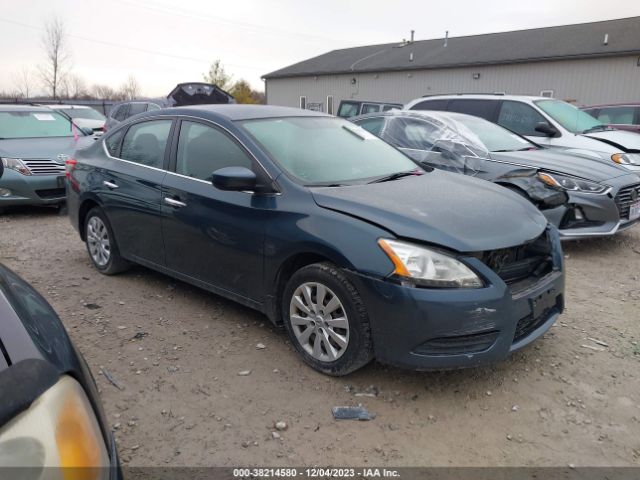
(326, 320)
(101, 244)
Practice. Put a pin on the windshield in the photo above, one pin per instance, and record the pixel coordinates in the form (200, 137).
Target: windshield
(494, 137)
(30, 124)
(569, 116)
(86, 113)
(327, 150)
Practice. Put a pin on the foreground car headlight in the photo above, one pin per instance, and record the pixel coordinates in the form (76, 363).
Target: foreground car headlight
(626, 158)
(59, 429)
(427, 267)
(571, 183)
(15, 164)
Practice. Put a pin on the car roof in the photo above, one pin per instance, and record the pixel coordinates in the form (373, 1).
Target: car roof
(23, 108)
(238, 112)
(621, 104)
(483, 96)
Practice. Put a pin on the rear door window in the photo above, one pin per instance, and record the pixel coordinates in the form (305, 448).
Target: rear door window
(616, 115)
(479, 108)
(145, 143)
(348, 109)
(121, 112)
(369, 108)
(520, 118)
(136, 108)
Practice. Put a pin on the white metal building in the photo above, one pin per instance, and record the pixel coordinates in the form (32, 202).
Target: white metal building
(586, 63)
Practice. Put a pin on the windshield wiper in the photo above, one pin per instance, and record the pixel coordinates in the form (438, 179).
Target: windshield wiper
(597, 128)
(395, 176)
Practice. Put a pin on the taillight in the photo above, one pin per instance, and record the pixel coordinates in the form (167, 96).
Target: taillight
(70, 166)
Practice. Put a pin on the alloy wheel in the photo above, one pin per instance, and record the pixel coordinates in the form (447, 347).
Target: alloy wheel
(319, 321)
(98, 241)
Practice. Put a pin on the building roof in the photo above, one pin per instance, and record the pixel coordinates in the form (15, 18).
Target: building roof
(582, 40)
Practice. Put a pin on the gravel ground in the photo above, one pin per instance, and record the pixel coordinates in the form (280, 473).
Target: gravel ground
(176, 352)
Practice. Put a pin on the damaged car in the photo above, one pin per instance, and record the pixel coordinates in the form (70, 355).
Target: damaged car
(582, 196)
(359, 251)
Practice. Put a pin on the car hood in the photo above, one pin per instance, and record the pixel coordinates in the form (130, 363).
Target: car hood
(49, 147)
(454, 211)
(571, 164)
(623, 140)
(89, 123)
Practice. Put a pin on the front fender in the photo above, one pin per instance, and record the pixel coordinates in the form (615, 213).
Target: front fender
(541, 194)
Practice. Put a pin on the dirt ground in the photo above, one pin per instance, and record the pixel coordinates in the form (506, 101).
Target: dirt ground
(176, 352)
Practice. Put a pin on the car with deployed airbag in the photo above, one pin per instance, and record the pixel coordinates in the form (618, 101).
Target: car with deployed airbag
(356, 249)
(547, 121)
(596, 198)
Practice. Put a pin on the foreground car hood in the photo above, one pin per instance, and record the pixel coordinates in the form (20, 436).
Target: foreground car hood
(624, 140)
(42, 147)
(552, 159)
(454, 211)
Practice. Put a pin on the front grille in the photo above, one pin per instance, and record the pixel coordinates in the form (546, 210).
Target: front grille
(458, 345)
(624, 199)
(51, 193)
(44, 167)
(527, 325)
(519, 263)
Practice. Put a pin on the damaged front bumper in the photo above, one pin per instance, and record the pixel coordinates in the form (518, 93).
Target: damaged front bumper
(431, 329)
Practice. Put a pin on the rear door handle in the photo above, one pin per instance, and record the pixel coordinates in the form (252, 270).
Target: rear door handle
(174, 203)
(108, 184)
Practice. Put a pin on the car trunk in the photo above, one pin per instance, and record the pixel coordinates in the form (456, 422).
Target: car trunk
(198, 94)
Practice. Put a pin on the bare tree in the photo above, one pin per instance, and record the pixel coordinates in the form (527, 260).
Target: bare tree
(130, 90)
(23, 82)
(57, 55)
(104, 92)
(76, 86)
(218, 76)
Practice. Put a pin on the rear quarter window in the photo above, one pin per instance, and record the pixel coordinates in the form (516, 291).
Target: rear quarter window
(112, 143)
(479, 108)
(440, 104)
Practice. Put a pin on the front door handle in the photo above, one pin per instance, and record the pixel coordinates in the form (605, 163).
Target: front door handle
(109, 184)
(174, 203)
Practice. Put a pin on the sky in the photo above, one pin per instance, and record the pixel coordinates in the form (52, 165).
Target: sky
(164, 42)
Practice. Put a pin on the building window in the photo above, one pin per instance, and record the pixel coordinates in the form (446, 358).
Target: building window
(546, 93)
(303, 103)
(330, 104)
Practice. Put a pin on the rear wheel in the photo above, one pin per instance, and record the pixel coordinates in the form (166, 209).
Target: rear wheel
(326, 320)
(101, 244)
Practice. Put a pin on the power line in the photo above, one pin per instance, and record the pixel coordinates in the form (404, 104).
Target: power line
(167, 10)
(138, 49)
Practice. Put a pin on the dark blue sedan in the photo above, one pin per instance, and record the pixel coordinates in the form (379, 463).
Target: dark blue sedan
(356, 249)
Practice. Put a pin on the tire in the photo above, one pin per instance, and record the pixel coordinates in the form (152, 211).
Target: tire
(343, 346)
(97, 229)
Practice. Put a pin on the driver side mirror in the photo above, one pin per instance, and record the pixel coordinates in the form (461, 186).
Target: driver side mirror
(237, 179)
(546, 128)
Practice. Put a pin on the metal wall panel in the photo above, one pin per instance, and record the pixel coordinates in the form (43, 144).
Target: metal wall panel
(584, 82)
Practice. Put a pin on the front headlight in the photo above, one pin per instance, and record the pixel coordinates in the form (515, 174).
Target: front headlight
(59, 429)
(572, 184)
(15, 164)
(427, 267)
(626, 158)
